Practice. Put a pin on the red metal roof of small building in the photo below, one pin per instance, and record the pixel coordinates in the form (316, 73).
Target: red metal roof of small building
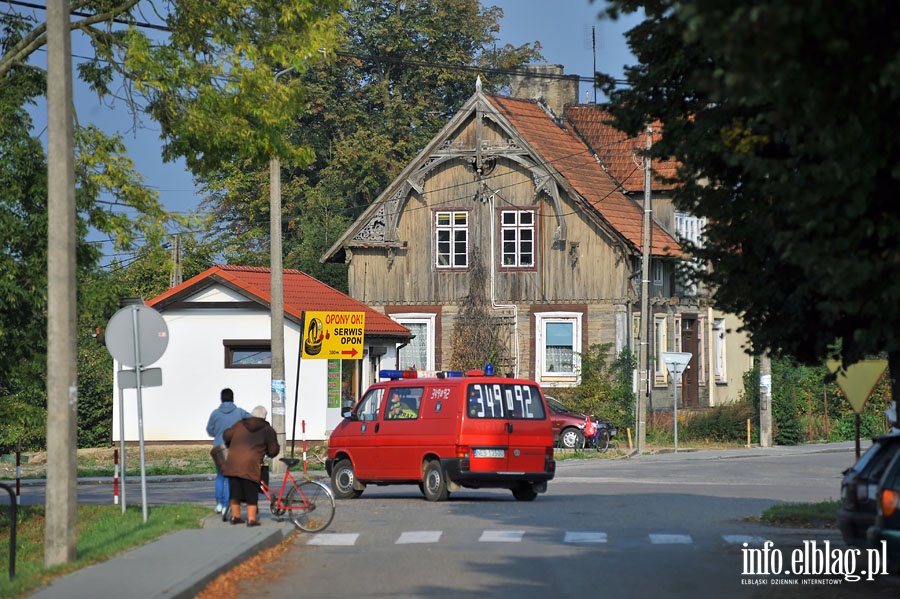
(301, 293)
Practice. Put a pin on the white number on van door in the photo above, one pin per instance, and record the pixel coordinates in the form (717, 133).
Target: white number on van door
(504, 401)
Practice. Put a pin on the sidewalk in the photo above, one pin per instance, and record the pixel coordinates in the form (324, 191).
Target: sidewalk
(182, 563)
(177, 565)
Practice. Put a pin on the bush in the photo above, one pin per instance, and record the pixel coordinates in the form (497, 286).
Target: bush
(726, 423)
(605, 388)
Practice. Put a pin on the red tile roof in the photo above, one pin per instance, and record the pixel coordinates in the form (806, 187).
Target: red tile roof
(616, 150)
(301, 293)
(569, 156)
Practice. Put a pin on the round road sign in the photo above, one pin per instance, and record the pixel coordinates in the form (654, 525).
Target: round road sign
(152, 333)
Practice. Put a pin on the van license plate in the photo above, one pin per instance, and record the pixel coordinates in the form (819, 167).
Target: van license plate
(490, 453)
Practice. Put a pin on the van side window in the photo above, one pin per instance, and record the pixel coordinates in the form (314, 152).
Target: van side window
(369, 405)
(508, 401)
(404, 403)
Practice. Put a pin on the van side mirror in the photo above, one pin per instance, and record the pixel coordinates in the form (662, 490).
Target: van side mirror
(347, 413)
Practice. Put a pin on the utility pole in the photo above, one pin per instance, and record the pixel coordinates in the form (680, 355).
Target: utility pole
(765, 399)
(276, 277)
(60, 536)
(644, 379)
(176, 278)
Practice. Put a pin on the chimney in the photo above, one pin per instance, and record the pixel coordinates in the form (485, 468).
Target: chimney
(545, 82)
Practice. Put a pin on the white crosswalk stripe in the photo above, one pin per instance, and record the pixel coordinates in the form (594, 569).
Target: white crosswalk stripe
(584, 537)
(419, 536)
(501, 536)
(670, 539)
(333, 538)
(573, 537)
(741, 539)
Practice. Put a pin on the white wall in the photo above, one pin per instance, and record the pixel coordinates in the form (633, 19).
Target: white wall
(194, 373)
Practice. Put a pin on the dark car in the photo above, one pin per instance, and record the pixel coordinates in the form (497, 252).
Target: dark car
(568, 427)
(859, 486)
(886, 526)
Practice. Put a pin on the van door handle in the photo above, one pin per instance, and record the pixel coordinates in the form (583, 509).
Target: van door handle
(377, 426)
(509, 427)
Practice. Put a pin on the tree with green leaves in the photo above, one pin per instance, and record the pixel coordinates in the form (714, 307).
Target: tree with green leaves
(400, 72)
(206, 73)
(777, 114)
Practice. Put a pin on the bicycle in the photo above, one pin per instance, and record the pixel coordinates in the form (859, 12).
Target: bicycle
(310, 504)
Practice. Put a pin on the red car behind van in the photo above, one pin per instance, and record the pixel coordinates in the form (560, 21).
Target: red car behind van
(443, 434)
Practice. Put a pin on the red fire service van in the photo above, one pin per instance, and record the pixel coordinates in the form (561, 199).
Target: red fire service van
(444, 433)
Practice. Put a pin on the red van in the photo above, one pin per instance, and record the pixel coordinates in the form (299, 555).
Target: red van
(442, 434)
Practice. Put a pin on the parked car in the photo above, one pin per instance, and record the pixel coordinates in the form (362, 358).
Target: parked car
(859, 486)
(568, 426)
(886, 526)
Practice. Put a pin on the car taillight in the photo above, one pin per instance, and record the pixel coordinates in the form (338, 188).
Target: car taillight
(889, 501)
(462, 452)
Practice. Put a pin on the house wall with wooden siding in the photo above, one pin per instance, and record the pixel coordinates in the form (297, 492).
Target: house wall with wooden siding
(582, 269)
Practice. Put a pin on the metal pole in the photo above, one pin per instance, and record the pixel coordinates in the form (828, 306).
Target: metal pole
(675, 392)
(276, 274)
(123, 461)
(60, 537)
(137, 378)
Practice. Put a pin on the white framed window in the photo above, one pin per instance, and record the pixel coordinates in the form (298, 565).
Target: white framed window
(451, 235)
(558, 348)
(719, 374)
(517, 238)
(660, 338)
(419, 352)
(658, 273)
(690, 228)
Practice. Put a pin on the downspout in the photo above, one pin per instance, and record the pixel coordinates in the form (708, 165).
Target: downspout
(497, 306)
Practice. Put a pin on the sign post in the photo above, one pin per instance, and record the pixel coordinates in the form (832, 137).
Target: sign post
(136, 336)
(676, 363)
(857, 381)
(328, 336)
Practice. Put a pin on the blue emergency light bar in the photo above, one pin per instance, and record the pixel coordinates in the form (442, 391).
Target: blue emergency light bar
(414, 374)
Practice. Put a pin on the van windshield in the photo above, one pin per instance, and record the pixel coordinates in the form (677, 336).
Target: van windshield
(504, 400)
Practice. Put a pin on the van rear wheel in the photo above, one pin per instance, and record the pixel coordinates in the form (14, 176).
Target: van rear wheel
(524, 492)
(343, 480)
(434, 483)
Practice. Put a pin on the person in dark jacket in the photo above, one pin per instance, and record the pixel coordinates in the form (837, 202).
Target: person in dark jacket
(221, 418)
(248, 441)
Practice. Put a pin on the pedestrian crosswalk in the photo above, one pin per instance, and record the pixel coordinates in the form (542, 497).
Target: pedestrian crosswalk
(575, 537)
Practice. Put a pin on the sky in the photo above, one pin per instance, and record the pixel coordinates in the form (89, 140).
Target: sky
(564, 29)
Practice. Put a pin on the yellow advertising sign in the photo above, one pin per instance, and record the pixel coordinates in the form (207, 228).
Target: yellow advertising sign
(858, 380)
(334, 335)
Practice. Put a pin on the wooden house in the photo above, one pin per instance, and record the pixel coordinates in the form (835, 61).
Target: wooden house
(510, 202)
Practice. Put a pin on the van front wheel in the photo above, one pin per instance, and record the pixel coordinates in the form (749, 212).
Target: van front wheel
(434, 483)
(343, 481)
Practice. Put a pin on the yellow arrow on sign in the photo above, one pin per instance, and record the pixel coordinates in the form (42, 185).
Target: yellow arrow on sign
(334, 335)
(859, 380)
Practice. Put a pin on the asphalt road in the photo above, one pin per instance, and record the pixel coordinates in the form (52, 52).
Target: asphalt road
(669, 526)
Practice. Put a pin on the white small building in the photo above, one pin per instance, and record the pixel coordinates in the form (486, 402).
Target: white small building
(219, 336)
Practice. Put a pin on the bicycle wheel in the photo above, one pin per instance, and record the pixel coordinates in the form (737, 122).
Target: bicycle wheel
(313, 509)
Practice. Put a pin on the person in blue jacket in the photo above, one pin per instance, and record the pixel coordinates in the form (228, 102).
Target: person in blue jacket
(221, 420)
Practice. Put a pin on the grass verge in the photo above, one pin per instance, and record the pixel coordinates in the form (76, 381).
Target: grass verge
(102, 532)
(802, 515)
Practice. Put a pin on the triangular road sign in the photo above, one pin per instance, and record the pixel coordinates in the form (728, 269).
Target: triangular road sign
(858, 380)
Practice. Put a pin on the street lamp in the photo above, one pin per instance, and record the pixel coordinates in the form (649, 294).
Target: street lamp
(276, 274)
